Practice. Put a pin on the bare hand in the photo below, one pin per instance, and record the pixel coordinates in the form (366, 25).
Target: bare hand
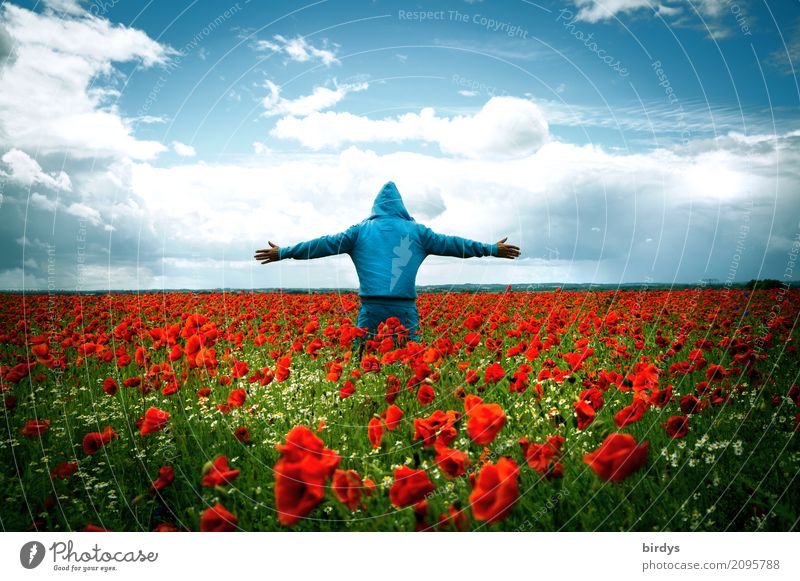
(507, 250)
(267, 255)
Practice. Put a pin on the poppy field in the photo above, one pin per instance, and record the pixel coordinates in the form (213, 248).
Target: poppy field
(520, 411)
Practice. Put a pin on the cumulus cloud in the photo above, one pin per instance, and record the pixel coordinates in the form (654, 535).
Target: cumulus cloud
(320, 99)
(43, 202)
(504, 127)
(298, 49)
(580, 213)
(84, 212)
(47, 103)
(183, 149)
(27, 172)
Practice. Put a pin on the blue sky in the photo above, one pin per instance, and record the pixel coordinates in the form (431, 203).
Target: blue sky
(156, 145)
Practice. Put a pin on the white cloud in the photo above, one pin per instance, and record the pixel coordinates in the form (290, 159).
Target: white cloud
(597, 10)
(504, 127)
(183, 150)
(260, 148)
(27, 171)
(580, 213)
(46, 103)
(320, 99)
(83, 211)
(298, 49)
(17, 279)
(467, 93)
(66, 6)
(149, 119)
(43, 202)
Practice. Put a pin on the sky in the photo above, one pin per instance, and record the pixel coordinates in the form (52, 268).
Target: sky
(156, 145)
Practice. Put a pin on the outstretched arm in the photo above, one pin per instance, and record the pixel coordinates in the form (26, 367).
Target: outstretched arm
(341, 243)
(442, 245)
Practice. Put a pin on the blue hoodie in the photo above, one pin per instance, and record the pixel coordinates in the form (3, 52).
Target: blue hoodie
(388, 248)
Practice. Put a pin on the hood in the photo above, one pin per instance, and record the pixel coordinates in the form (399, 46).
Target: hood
(389, 204)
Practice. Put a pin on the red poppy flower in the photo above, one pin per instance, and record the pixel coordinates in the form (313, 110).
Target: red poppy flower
(301, 473)
(236, 398)
(485, 420)
(544, 457)
(393, 417)
(439, 428)
(64, 470)
(494, 373)
(375, 432)
(392, 388)
(34, 428)
(495, 491)
(584, 413)
(94, 441)
(347, 487)
(166, 527)
(242, 434)
(630, 414)
(617, 457)
(661, 397)
(110, 386)
(425, 394)
(282, 370)
(347, 389)
(410, 487)
(217, 519)
(166, 475)
(299, 487)
(218, 473)
(240, 369)
(154, 421)
(453, 463)
(677, 426)
(690, 404)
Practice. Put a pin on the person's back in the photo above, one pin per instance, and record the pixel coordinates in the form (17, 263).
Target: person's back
(387, 250)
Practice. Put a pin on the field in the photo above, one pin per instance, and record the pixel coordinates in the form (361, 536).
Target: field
(632, 410)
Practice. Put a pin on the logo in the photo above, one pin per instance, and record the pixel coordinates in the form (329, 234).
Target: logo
(402, 254)
(31, 554)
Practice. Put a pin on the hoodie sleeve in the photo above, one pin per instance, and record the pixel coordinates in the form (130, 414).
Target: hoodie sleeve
(442, 245)
(341, 243)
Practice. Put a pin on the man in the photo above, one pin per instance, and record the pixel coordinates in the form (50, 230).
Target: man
(387, 249)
